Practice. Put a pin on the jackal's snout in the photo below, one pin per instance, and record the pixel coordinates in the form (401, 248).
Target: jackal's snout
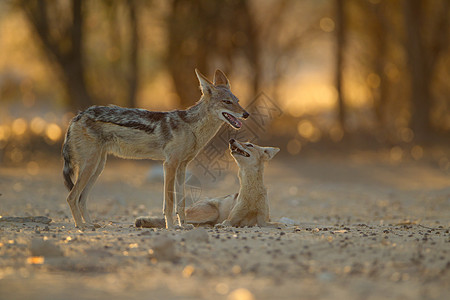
(245, 115)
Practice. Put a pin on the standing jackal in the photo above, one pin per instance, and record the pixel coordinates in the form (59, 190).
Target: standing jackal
(174, 137)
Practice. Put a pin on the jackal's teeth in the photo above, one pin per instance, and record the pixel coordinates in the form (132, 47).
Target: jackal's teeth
(232, 120)
(235, 150)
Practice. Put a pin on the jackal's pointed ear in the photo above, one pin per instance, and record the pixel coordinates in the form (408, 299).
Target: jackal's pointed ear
(221, 79)
(270, 152)
(205, 85)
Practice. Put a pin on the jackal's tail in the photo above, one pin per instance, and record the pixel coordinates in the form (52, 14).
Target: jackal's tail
(68, 164)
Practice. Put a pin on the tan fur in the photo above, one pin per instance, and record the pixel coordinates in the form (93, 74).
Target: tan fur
(175, 137)
(249, 207)
(252, 204)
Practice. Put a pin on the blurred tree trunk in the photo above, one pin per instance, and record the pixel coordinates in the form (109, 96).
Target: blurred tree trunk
(423, 53)
(64, 48)
(380, 35)
(189, 42)
(210, 31)
(133, 75)
(417, 62)
(339, 68)
(252, 48)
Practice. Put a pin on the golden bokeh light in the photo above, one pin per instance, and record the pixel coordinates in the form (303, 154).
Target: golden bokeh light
(236, 269)
(37, 125)
(5, 132)
(32, 168)
(16, 155)
(336, 133)
(35, 260)
(307, 130)
(396, 154)
(294, 146)
(241, 294)
(53, 132)
(417, 152)
(327, 24)
(19, 126)
(406, 134)
(188, 271)
(444, 164)
(373, 80)
(222, 288)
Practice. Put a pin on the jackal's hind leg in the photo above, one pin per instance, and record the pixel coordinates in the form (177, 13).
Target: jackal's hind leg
(85, 173)
(235, 217)
(202, 212)
(85, 194)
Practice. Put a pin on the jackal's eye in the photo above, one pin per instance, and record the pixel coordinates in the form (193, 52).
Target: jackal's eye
(249, 145)
(227, 101)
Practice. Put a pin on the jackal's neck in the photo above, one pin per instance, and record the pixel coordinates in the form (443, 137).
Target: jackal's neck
(206, 123)
(252, 179)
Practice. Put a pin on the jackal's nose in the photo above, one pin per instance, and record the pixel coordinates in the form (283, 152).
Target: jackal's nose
(231, 141)
(245, 115)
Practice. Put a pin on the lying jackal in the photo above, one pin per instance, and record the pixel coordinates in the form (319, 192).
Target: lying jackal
(174, 137)
(247, 208)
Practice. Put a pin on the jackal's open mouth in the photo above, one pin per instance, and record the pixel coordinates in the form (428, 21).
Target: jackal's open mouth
(236, 123)
(235, 150)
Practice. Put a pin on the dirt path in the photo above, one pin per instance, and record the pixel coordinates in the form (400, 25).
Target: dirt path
(365, 230)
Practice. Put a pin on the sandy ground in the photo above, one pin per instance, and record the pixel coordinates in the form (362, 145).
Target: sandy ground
(366, 229)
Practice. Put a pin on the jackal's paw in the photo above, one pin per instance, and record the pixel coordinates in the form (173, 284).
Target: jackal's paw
(87, 226)
(224, 224)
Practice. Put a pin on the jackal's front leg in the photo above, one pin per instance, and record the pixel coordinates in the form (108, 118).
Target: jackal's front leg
(180, 196)
(169, 184)
(180, 193)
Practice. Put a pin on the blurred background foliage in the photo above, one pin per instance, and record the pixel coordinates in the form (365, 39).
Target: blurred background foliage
(345, 73)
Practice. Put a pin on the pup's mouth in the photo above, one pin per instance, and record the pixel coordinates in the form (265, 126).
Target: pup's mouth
(235, 150)
(235, 122)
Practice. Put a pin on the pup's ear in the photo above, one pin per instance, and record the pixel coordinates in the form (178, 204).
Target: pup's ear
(270, 152)
(221, 79)
(205, 85)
